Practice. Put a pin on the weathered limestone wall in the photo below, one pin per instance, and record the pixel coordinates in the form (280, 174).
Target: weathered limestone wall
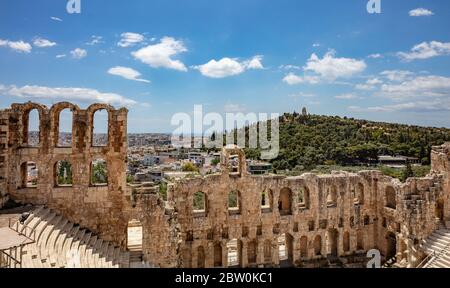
(320, 216)
(98, 208)
(4, 123)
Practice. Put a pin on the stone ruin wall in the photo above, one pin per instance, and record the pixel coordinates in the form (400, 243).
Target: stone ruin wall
(176, 236)
(99, 208)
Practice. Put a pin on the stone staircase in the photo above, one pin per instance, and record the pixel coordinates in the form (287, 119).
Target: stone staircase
(62, 244)
(437, 246)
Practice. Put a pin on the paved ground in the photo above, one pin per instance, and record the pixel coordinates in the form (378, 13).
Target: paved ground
(13, 214)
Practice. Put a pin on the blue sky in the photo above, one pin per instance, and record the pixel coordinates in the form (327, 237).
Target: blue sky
(163, 57)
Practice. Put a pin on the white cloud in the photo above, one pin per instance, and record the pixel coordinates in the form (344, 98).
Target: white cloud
(78, 53)
(130, 39)
(18, 46)
(346, 96)
(83, 95)
(420, 12)
(56, 19)
(302, 95)
(61, 56)
(369, 85)
(255, 63)
(95, 40)
(375, 56)
(426, 50)
(315, 45)
(160, 55)
(234, 108)
(293, 79)
(43, 43)
(290, 67)
(227, 67)
(423, 86)
(331, 67)
(127, 73)
(397, 75)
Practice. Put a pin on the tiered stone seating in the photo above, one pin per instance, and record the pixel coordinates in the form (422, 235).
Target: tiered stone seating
(438, 245)
(61, 244)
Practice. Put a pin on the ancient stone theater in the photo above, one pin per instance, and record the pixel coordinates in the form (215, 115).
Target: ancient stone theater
(274, 221)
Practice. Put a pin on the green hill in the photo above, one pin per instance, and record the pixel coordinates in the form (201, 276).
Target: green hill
(308, 141)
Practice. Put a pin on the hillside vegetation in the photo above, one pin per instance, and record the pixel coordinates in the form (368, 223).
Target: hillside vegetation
(310, 141)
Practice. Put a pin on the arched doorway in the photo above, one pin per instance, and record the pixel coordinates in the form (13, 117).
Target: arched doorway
(304, 247)
(318, 246)
(391, 246)
(440, 210)
(251, 252)
(234, 252)
(285, 250)
(200, 257)
(333, 242)
(267, 252)
(134, 240)
(217, 255)
(346, 242)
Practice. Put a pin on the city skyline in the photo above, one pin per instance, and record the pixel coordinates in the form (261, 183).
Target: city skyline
(158, 59)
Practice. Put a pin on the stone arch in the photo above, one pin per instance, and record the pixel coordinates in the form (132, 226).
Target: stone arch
(391, 197)
(28, 175)
(201, 258)
(187, 257)
(346, 242)
(267, 201)
(303, 198)
(332, 196)
(252, 254)
(391, 245)
(218, 255)
(55, 117)
(286, 250)
(317, 245)
(234, 253)
(91, 111)
(62, 173)
(285, 202)
(332, 239)
(99, 172)
(233, 160)
(304, 247)
(359, 240)
(440, 210)
(25, 110)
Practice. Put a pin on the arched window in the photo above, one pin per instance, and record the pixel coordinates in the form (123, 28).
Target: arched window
(100, 123)
(65, 124)
(332, 196)
(29, 175)
(391, 201)
(31, 128)
(234, 203)
(63, 174)
(285, 202)
(303, 198)
(359, 240)
(99, 173)
(199, 203)
(266, 201)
